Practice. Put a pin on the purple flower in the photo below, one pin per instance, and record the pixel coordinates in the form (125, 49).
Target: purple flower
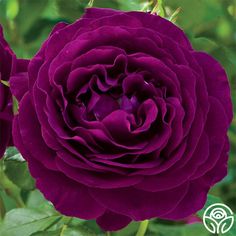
(9, 66)
(122, 120)
(6, 59)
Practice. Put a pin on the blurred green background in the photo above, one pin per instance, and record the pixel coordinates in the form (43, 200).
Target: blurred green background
(211, 27)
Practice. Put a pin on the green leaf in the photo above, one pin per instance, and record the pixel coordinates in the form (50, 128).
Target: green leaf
(198, 15)
(18, 173)
(204, 44)
(71, 9)
(178, 230)
(106, 4)
(26, 222)
(194, 229)
(67, 231)
(11, 151)
(12, 9)
(131, 229)
(90, 224)
(78, 231)
(35, 199)
(48, 233)
(29, 10)
(9, 203)
(129, 5)
(16, 157)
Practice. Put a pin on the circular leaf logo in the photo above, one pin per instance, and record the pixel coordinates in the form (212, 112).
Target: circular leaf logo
(218, 218)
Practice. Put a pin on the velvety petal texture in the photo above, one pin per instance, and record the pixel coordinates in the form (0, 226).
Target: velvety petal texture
(7, 59)
(120, 119)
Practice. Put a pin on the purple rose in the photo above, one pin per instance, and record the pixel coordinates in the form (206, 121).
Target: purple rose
(6, 59)
(122, 120)
(9, 66)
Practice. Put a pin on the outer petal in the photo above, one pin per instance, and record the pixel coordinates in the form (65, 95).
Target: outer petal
(153, 22)
(138, 204)
(193, 201)
(216, 81)
(19, 79)
(7, 57)
(111, 221)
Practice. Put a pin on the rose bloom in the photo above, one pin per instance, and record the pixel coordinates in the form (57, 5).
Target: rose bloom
(6, 63)
(123, 120)
(9, 65)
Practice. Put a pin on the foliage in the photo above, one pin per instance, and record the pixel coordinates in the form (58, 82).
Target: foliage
(211, 27)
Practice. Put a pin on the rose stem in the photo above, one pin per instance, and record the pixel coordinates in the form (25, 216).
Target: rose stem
(108, 233)
(142, 228)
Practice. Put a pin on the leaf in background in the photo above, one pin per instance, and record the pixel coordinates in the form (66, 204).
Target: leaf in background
(38, 29)
(49, 233)
(29, 10)
(204, 44)
(17, 157)
(131, 5)
(51, 11)
(71, 9)
(181, 230)
(10, 152)
(129, 230)
(67, 231)
(25, 222)
(3, 17)
(91, 224)
(12, 9)
(106, 4)
(18, 173)
(35, 199)
(78, 231)
(198, 15)
(8, 202)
